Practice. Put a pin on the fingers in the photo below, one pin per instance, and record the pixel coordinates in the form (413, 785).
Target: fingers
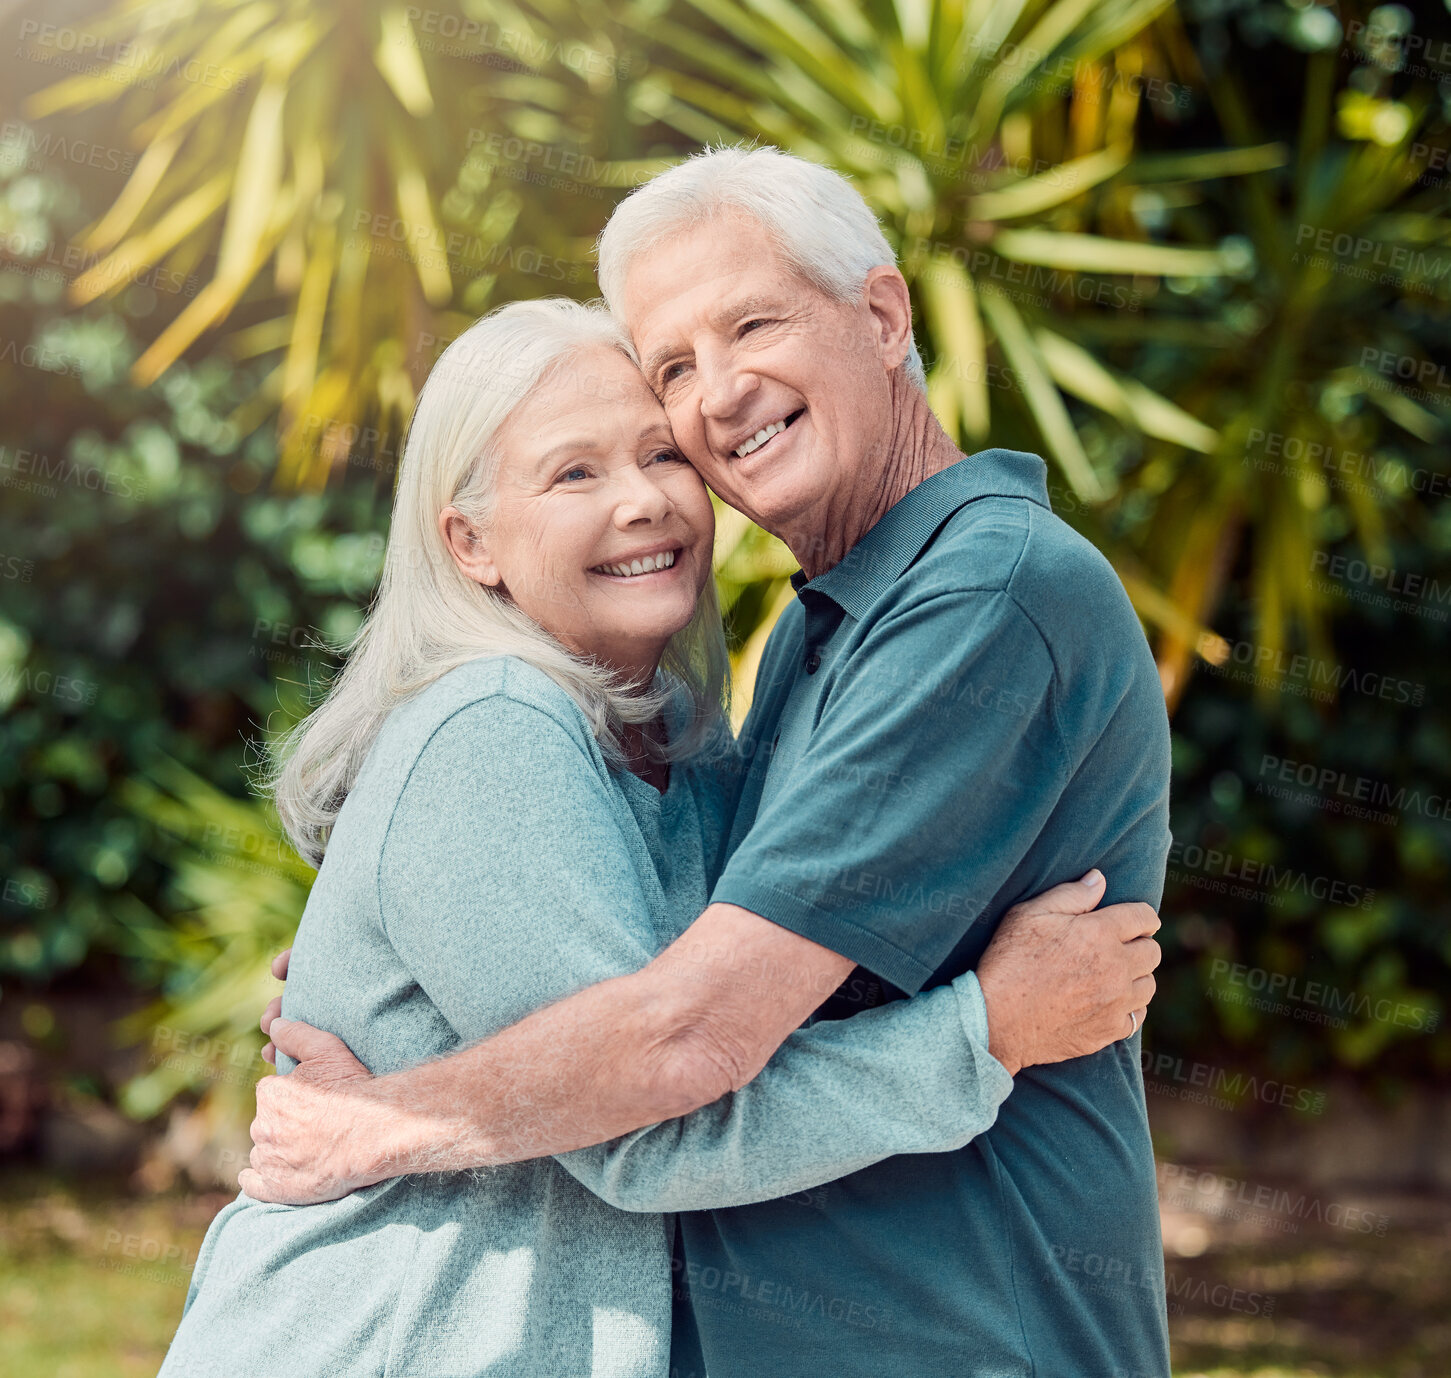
(252, 1183)
(280, 963)
(303, 1043)
(1133, 920)
(269, 1053)
(1142, 992)
(1143, 955)
(1072, 897)
(274, 1008)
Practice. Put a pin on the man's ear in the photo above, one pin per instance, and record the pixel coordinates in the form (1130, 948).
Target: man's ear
(469, 549)
(887, 298)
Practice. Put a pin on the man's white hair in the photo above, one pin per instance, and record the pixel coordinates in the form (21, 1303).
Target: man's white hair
(818, 220)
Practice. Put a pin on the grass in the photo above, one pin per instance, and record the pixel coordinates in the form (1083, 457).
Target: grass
(93, 1279)
(1356, 1306)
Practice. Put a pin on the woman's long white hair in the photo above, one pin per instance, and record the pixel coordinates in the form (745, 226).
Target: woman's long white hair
(428, 617)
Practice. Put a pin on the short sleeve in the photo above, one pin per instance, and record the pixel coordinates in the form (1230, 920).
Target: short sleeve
(505, 880)
(934, 763)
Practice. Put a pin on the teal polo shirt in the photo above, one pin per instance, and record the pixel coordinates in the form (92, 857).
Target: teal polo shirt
(963, 713)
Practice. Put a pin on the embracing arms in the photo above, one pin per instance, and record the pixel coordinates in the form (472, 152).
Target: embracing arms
(695, 1024)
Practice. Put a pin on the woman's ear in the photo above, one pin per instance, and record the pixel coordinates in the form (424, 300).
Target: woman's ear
(469, 549)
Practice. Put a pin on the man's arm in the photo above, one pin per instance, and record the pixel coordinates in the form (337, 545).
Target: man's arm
(621, 1054)
(698, 1021)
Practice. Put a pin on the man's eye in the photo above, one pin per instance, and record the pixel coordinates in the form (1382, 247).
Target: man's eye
(755, 321)
(570, 475)
(671, 372)
(668, 456)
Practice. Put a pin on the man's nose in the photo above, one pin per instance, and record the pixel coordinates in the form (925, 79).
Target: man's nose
(724, 385)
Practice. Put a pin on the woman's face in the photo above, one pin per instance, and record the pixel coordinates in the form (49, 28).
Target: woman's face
(591, 489)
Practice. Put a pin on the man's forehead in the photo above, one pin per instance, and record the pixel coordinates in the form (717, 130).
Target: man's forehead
(713, 301)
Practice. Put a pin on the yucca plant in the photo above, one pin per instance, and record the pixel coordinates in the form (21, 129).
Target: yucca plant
(990, 137)
(1318, 438)
(313, 158)
(395, 189)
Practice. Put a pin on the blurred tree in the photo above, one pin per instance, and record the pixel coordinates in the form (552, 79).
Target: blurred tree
(953, 122)
(363, 161)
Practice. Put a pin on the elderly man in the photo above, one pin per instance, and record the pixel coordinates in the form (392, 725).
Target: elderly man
(958, 710)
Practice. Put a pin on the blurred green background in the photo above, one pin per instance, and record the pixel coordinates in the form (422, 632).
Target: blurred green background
(1197, 255)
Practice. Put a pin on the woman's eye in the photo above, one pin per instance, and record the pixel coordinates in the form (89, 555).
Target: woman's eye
(570, 475)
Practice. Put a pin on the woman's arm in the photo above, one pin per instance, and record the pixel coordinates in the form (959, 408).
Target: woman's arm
(507, 882)
(914, 1076)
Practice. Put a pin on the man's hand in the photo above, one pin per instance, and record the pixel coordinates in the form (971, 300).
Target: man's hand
(306, 1137)
(1060, 982)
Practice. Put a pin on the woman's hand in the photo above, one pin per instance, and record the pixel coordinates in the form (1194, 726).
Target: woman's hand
(1060, 981)
(274, 1005)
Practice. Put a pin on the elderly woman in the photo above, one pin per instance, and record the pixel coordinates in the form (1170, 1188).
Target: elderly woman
(518, 787)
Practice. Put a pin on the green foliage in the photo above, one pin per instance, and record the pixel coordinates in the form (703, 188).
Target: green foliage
(156, 599)
(235, 893)
(1199, 257)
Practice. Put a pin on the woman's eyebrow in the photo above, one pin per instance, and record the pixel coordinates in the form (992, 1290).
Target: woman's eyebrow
(556, 452)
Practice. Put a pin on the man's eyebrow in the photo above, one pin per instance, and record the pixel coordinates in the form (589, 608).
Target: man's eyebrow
(742, 306)
(656, 360)
(747, 306)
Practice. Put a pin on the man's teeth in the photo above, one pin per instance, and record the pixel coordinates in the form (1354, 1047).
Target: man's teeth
(760, 438)
(648, 564)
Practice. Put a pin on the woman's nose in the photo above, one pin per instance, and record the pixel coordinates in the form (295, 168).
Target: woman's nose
(642, 498)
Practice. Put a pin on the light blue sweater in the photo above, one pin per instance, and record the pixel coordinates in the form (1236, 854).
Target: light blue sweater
(486, 863)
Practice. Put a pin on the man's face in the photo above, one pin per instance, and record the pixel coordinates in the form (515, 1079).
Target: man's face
(778, 395)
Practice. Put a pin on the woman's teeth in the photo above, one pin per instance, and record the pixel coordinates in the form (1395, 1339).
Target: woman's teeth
(759, 439)
(648, 564)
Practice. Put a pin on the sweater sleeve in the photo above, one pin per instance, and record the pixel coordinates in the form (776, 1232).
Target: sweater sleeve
(913, 1076)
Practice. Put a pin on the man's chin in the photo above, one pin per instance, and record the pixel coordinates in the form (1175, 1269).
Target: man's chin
(783, 509)
(771, 500)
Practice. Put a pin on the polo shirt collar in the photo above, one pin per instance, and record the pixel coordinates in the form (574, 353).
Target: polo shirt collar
(876, 561)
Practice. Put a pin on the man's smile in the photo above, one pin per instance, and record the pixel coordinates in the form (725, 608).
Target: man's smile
(765, 435)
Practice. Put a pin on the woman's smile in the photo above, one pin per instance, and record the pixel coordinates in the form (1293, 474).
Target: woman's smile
(642, 567)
